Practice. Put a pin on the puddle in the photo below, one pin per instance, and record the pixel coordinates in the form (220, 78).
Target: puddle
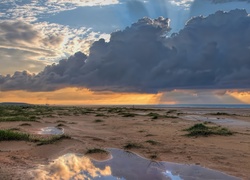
(51, 131)
(125, 166)
(142, 113)
(221, 121)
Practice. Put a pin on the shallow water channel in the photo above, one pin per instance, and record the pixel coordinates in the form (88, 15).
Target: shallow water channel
(123, 165)
(221, 121)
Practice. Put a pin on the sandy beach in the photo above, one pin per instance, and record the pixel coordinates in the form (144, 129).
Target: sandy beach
(109, 127)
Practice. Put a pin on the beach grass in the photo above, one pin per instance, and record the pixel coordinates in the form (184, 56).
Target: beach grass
(10, 135)
(132, 146)
(152, 142)
(222, 114)
(25, 124)
(203, 130)
(100, 115)
(128, 114)
(17, 118)
(96, 150)
(49, 140)
(60, 125)
(153, 156)
(171, 117)
(98, 121)
(171, 111)
(153, 114)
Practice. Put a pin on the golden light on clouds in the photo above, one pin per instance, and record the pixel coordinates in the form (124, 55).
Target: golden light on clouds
(76, 96)
(69, 166)
(242, 96)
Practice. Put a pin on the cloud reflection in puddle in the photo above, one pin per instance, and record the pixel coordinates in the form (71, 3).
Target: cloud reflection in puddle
(51, 131)
(123, 165)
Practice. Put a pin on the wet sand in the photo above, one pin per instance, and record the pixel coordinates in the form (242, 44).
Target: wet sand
(229, 154)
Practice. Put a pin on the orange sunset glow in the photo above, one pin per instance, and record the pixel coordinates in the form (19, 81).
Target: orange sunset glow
(244, 97)
(75, 96)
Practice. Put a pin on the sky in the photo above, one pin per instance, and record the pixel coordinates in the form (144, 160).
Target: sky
(80, 52)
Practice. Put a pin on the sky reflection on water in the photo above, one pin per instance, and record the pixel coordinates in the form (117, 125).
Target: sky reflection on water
(123, 165)
(51, 131)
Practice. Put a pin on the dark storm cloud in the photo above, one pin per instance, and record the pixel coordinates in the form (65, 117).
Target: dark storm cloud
(209, 53)
(53, 77)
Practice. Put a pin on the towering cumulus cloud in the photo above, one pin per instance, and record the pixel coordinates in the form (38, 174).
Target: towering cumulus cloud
(209, 53)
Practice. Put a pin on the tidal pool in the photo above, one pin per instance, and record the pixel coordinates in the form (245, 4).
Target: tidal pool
(125, 166)
(51, 131)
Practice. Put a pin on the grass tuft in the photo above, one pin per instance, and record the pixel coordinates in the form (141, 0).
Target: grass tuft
(61, 121)
(128, 115)
(148, 135)
(25, 124)
(98, 121)
(152, 142)
(132, 146)
(153, 156)
(172, 117)
(154, 117)
(96, 150)
(60, 125)
(8, 135)
(100, 115)
(49, 140)
(141, 131)
(222, 114)
(17, 118)
(171, 111)
(203, 130)
(153, 114)
(197, 127)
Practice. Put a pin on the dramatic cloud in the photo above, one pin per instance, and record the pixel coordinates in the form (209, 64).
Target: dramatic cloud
(33, 46)
(209, 53)
(207, 7)
(21, 45)
(22, 35)
(14, 59)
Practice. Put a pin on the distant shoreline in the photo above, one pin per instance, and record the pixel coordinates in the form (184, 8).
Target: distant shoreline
(210, 106)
